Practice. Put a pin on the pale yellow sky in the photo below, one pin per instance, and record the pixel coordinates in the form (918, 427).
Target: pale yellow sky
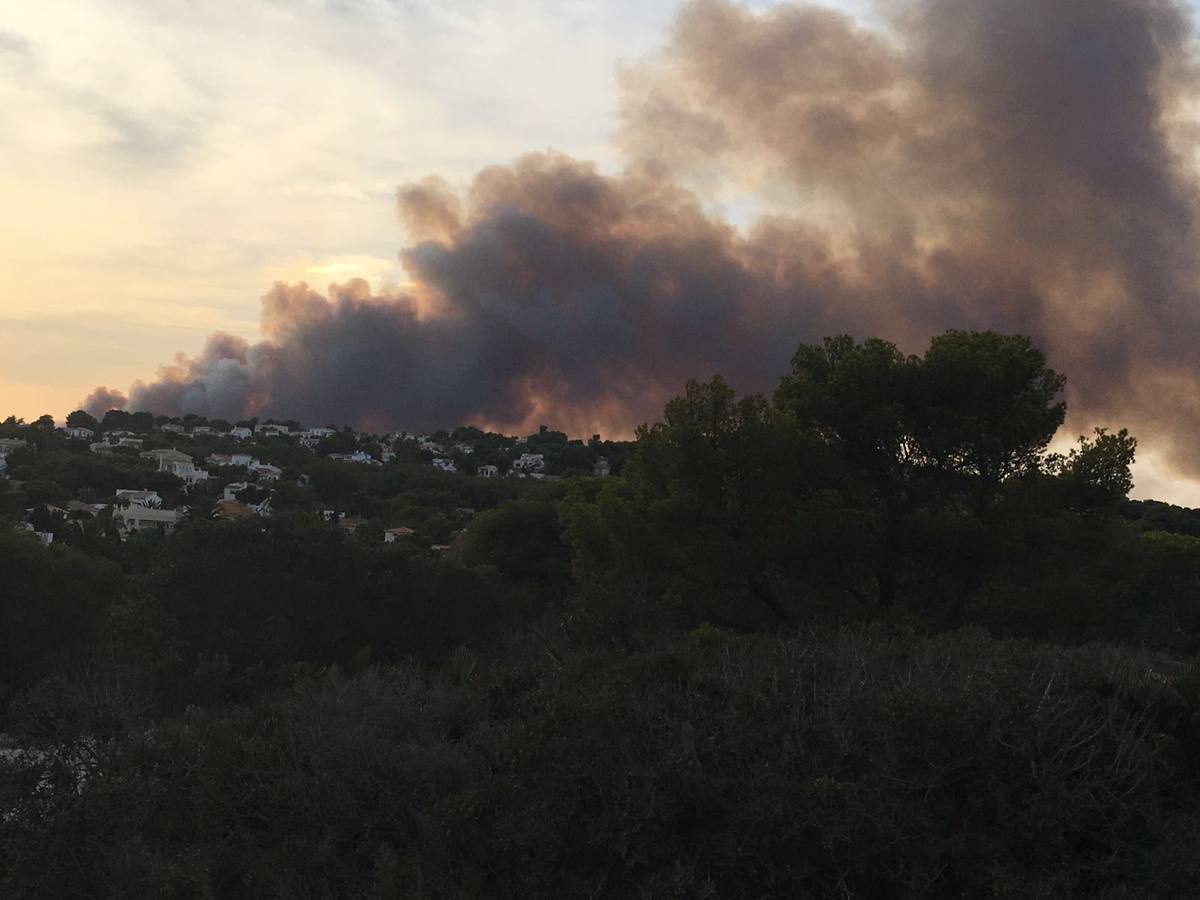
(165, 161)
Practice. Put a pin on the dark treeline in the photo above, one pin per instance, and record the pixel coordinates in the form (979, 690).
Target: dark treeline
(865, 637)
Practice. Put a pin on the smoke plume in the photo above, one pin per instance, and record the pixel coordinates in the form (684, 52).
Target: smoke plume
(101, 400)
(1026, 166)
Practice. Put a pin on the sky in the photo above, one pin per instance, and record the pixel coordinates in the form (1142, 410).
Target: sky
(164, 163)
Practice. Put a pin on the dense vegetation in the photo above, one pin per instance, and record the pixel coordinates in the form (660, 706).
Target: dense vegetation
(864, 638)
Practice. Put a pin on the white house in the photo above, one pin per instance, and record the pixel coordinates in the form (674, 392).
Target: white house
(101, 447)
(172, 428)
(133, 518)
(602, 468)
(266, 471)
(488, 471)
(358, 456)
(202, 429)
(530, 462)
(140, 498)
(431, 446)
(79, 433)
(273, 428)
(188, 472)
(166, 459)
(320, 432)
(446, 465)
(391, 535)
(241, 433)
(464, 448)
(245, 460)
(135, 443)
(232, 490)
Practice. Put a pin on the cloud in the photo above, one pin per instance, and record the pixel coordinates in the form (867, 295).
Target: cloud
(970, 164)
(101, 400)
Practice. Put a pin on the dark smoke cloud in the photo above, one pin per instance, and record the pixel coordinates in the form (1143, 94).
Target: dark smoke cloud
(1021, 165)
(1011, 165)
(101, 400)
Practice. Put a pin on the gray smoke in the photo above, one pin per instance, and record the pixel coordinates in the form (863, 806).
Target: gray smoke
(1021, 165)
(101, 400)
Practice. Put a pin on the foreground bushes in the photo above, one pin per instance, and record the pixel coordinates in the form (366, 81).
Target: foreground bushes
(829, 765)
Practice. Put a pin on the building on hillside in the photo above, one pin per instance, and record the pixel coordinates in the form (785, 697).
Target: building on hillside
(133, 518)
(391, 535)
(203, 430)
(320, 432)
(164, 460)
(172, 428)
(350, 524)
(464, 448)
(232, 490)
(241, 433)
(273, 428)
(101, 447)
(144, 498)
(188, 472)
(360, 457)
(446, 465)
(88, 509)
(266, 472)
(232, 511)
(431, 447)
(8, 445)
(133, 443)
(387, 455)
(488, 471)
(530, 462)
(602, 468)
(79, 433)
(46, 537)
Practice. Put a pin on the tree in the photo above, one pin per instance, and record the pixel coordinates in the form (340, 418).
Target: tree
(523, 540)
(720, 480)
(933, 437)
(81, 419)
(857, 397)
(986, 406)
(1097, 472)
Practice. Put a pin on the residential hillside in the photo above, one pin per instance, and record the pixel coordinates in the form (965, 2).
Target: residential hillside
(94, 480)
(864, 637)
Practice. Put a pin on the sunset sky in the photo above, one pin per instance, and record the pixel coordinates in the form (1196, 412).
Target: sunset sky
(165, 162)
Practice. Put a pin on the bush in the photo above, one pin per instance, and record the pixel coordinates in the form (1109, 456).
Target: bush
(855, 763)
